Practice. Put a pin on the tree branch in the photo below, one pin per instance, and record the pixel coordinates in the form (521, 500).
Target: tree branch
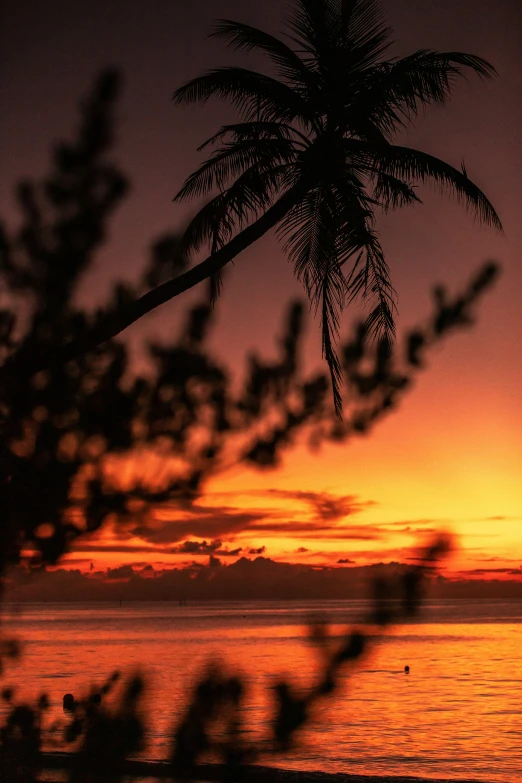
(115, 323)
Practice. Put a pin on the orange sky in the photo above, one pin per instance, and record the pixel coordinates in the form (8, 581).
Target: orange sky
(451, 457)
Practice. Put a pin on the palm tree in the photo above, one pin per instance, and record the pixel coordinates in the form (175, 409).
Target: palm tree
(312, 153)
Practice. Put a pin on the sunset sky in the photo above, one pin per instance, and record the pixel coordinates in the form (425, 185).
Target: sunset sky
(451, 458)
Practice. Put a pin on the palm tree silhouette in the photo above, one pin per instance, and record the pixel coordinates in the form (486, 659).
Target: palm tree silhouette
(312, 153)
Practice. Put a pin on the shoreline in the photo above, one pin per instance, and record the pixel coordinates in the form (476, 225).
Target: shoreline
(212, 773)
(497, 592)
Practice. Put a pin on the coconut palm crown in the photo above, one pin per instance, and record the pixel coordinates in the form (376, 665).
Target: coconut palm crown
(312, 152)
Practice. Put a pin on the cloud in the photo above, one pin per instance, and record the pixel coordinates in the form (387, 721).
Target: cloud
(345, 560)
(168, 535)
(77, 560)
(199, 521)
(205, 548)
(123, 572)
(195, 530)
(319, 530)
(325, 506)
(123, 546)
(421, 523)
(483, 571)
(496, 558)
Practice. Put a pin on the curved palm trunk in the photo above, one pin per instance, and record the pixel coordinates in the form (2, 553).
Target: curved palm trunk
(116, 323)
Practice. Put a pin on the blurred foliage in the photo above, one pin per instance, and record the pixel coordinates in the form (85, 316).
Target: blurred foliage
(67, 425)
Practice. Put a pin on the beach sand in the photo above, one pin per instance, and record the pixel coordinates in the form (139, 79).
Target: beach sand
(212, 773)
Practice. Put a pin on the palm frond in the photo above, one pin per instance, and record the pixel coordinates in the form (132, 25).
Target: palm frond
(332, 296)
(310, 232)
(215, 286)
(360, 18)
(365, 36)
(209, 227)
(230, 161)
(255, 95)
(247, 197)
(414, 165)
(427, 76)
(307, 21)
(370, 281)
(339, 35)
(393, 193)
(241, 131)
(358, 246)
(243, 37)
(308, 242)
(395, 91)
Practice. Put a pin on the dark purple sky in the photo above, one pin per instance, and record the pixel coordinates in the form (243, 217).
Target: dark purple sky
(50, 52)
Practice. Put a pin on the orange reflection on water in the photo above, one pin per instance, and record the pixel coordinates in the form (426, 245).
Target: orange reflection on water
(456, 715)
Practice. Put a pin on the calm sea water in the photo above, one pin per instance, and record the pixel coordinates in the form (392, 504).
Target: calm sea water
(458, 714)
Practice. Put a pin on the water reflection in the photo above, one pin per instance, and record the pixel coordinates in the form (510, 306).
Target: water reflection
(463, 688)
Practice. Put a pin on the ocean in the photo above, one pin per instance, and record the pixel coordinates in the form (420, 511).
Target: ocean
(456, 715)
